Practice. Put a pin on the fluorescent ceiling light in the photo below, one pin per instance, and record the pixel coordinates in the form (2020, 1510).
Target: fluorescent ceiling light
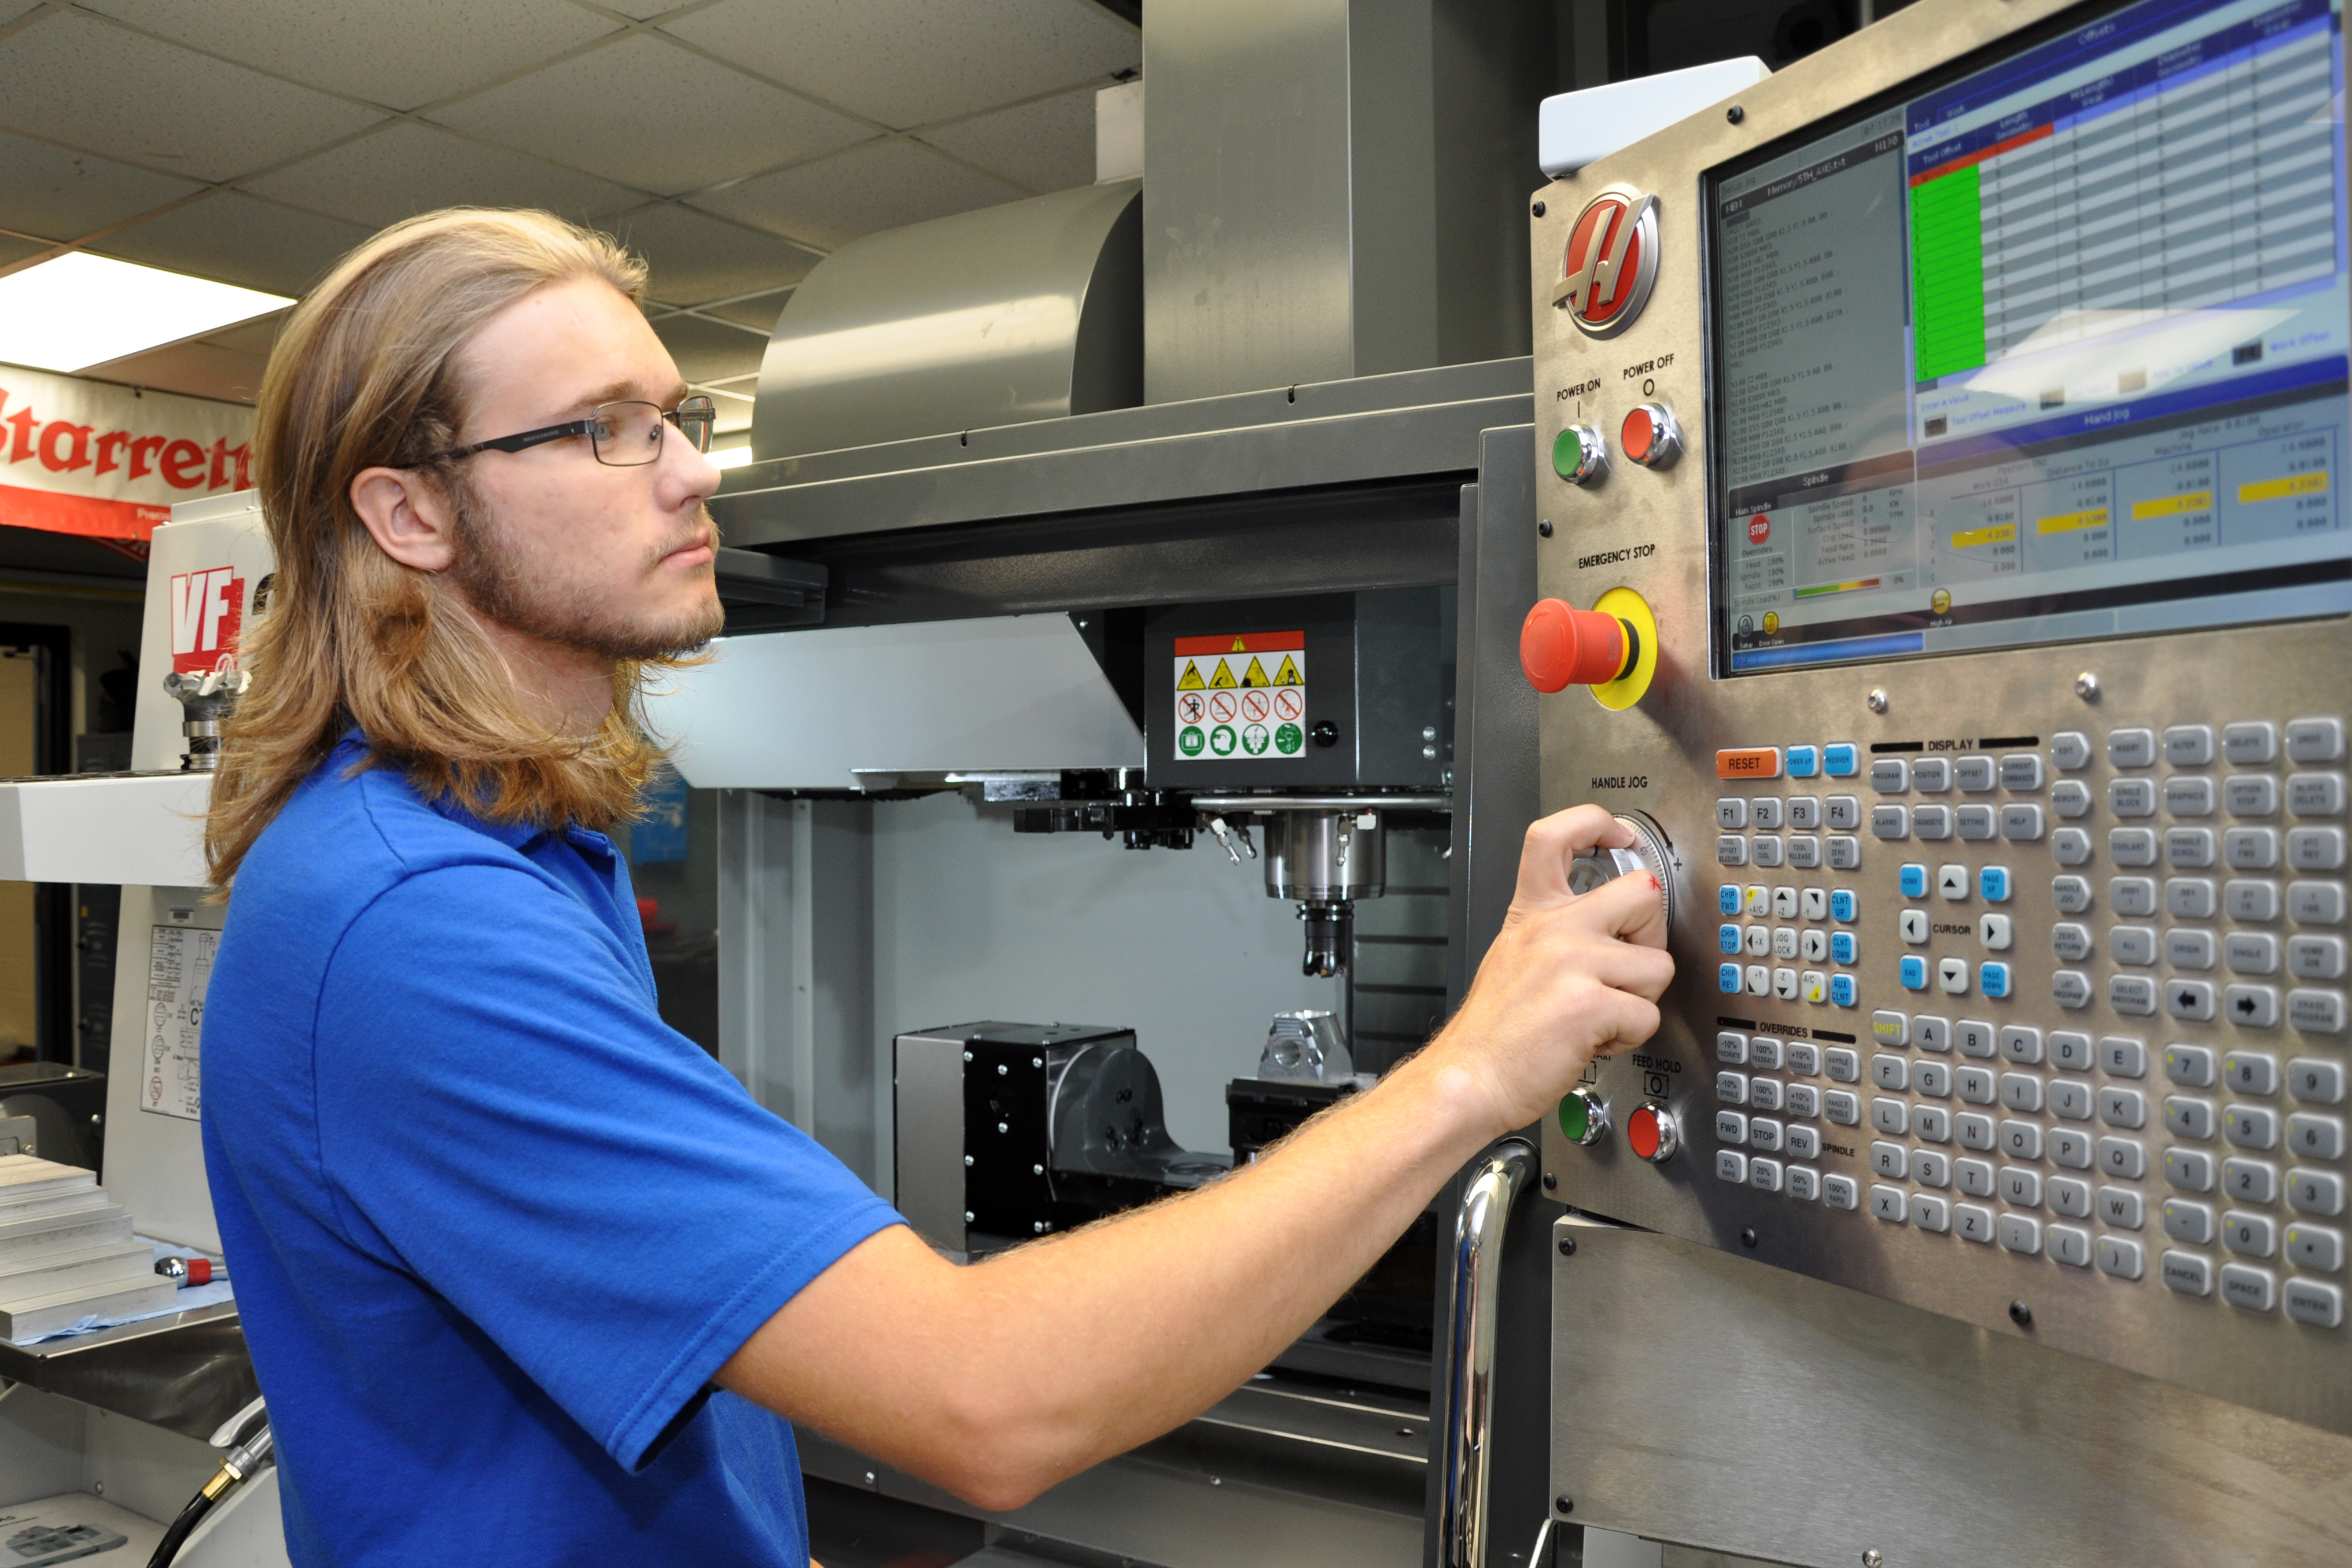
(80, 310)
(729, 457)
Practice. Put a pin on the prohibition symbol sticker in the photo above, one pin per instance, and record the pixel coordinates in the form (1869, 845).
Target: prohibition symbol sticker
(1239, 697)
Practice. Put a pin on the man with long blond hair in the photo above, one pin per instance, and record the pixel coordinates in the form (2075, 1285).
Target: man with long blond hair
(522, 1268)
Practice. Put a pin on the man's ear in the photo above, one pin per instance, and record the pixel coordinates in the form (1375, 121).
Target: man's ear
(407, 516)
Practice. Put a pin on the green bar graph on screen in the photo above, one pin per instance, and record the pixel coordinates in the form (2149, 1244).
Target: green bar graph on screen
(1947, 273)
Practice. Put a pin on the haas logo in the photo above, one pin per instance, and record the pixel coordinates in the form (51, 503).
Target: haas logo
(1611, 263)
(207, 608)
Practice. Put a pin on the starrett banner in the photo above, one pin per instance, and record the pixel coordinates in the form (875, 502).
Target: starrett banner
(87, 457)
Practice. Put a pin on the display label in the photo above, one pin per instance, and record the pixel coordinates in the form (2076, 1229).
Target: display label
(1241, 695)
(179, 968)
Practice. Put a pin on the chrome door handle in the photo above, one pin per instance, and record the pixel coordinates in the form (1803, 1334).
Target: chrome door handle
(1470, 1347)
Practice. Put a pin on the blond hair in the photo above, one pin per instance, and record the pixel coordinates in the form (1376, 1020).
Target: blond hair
(364, 375)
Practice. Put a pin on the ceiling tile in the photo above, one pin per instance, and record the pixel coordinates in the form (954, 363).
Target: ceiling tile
(15, 249)
(196, 369)
(408, 167)
(884, 185)
(1048, 145)
(696, 258)
(239, 238)
(760, 311)
(157, 104)
(257, 336)
(399, 56)
(652, 115)
(910, 62)
(706, 350)
(48, 191)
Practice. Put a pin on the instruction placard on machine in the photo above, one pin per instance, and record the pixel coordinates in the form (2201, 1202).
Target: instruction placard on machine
(179, 967)
(1241, 695)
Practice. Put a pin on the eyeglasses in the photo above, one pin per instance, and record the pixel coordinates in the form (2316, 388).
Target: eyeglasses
(623, 435)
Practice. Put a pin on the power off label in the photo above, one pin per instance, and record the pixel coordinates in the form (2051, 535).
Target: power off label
(1241, 695)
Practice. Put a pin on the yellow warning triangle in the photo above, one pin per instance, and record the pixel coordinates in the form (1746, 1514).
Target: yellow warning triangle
(1289, 674)
(1254, 675)
(1191, 681)
(1224, 676)
(1240, 645)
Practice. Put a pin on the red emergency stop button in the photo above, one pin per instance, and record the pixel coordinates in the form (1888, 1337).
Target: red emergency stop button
(1651, 1131)
(1560, 646)
(1650, 436)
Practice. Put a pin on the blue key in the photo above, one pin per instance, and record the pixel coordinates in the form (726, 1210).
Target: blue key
(1727, 898)
(1992, 883)
(1842, 946)
(1805, 762)
(1842, 904)
(1728, 938)
(1727, 979)
(1840, 762)
(1841, 990)
(1915, 881)
(1993, 979)
(1914, 973)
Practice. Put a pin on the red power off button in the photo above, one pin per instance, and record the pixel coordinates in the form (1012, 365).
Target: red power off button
(1560, 646)
(1650, 436)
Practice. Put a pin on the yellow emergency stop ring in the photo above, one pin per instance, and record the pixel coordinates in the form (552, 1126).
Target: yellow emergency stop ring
(1635, 611)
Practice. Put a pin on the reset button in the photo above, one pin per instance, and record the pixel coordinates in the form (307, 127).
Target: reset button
(1748, 763)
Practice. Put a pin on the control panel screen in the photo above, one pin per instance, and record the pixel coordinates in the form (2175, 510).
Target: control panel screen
(2054, 350)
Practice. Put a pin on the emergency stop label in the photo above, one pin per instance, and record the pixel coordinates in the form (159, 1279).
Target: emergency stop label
(179, 969)
(1241, 695)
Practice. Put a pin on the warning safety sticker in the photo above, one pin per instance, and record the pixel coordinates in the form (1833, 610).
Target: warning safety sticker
(1241, 695)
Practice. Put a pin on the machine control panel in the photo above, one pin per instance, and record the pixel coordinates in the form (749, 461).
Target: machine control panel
(1996, 734)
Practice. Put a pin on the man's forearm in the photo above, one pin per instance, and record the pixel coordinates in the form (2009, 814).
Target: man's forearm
(1038, 1364)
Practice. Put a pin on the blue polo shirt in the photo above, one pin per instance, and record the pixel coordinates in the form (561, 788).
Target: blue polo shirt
(493, 1223)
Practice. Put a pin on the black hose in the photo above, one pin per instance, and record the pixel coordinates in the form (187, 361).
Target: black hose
(177, 1536)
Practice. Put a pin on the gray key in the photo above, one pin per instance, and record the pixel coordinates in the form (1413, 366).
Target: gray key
(2121, 1206)
(1890, 776)
(1973, 773)
(1976, 822)
(2250, 1180)
(2131, 944)
(2121, 1107)
(1890, 820)
(1931, 776)
(2188, 795)
(1767, 813)
(2249, 744)
(2125, 846)
(2315, 957)
(2131, 797)
(2185, 1219)
(1932, 822)
(1845, 812)
(2316, 903)
(2020, 1091)
(2131, 748)
(2021, 821)
(2070, 798)
(2314, 849)
(2071, 942)
(2316, 1246)
(2315, 1136)
(2187, 1273)
(2188, 745)
(2314, 740)
(2315, 1080)
(2250, 1288)
(2315, 1303)
(2250, 1234)
(2070, 1148)
(2251, 795)
(2315, 1012)
(2193, 1066)
(2250, 1072)
(2190, 897)
(1845, 852)
(2021, 771)
(2316, 795)
(2186, 1116)
(2121, 1055)
(2068, 1196)
(2250, 901)
(2070, 895)
(2191, 1170)
(2191, 1000)
(2250, 1006)
(2133, 996)
(2120, 1257)
(2189, 947)
(2132, 897)
(2021, 1232)
(2251, 848)
(2314, 1192)
(2125, 1159)
(2070, 750)
(2190, 846)
(1805, 812)
(1974, 1130)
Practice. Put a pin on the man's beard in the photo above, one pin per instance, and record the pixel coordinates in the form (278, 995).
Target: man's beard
(486, 571)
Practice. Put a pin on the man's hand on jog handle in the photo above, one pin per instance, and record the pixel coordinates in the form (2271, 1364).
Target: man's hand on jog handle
(1572, 976)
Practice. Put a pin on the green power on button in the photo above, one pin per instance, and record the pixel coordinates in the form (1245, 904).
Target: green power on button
(1568, 454)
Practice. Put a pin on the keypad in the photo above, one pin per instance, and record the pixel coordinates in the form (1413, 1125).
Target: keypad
(2172, 1109)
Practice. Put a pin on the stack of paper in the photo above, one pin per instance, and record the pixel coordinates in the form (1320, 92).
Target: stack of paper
(67, 1253)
